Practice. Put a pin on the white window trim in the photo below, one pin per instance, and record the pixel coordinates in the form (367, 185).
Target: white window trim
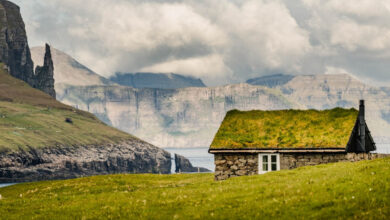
(260, 167)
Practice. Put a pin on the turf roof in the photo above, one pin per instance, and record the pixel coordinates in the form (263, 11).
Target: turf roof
(286, 129)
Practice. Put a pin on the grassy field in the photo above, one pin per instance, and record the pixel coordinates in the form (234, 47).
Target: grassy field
(286, 129)
(343, 190)
(29, 117)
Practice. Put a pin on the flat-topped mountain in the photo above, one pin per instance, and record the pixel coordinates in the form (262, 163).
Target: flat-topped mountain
(187, 117)
(156, 80)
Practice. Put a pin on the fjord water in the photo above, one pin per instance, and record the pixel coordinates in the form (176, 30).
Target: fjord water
(6, 184)
(199, 157)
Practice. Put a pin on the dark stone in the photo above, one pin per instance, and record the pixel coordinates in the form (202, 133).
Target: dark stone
(45, 74)
(131, 156)
(15, 52)
(184, 165)
(69, 120)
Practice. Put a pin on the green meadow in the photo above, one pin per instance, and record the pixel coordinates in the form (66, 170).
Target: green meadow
(348, 190)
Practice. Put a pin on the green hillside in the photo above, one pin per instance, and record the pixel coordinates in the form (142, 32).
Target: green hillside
(29, 117)
(358, 190)
(286, 129)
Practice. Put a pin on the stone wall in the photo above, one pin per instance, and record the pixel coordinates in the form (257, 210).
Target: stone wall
(295, 160)
(231, 165)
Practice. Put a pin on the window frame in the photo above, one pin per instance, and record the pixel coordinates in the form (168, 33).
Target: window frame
(269, 163)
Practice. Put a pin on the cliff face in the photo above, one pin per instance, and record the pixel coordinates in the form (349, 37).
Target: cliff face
(186, 117)
(15, 52)
(131, 156)
(190, 117)
(182, 164)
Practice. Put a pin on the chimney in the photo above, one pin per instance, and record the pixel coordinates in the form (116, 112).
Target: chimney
(362, 126)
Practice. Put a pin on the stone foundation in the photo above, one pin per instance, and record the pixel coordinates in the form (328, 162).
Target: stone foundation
(231, 165)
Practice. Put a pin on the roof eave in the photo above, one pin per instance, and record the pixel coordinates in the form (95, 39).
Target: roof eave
(279, 150)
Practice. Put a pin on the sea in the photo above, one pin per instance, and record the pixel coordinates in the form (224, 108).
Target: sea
(6, 184)
(199, 157)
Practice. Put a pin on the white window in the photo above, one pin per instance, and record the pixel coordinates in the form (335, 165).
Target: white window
(268, 162)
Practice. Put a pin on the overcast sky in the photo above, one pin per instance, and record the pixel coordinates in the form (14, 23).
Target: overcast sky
(224, 41)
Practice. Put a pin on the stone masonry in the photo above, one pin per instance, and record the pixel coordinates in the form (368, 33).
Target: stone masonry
(232, 165)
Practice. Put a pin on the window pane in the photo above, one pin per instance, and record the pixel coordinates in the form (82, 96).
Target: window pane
(265, 167)
(265, 162)
(273, 165)
(273, 158)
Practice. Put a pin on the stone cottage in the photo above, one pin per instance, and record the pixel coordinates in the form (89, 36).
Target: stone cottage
(256, 142)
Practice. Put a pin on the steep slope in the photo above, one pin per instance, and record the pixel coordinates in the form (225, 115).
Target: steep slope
(41, 139)
(15, 53)
(156, 80)
(68, 71)
(358, 190)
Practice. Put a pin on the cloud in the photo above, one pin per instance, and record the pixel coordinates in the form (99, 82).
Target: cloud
(224, 41)
(352, 25)
(210, 67)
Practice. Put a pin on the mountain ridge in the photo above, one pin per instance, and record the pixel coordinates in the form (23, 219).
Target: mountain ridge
(156, 80)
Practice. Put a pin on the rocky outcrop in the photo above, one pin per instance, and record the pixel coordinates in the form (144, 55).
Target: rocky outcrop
(68, 71)
(156, 80)
(15, 52)
(44, 75)
(185, 166)
(132, 156)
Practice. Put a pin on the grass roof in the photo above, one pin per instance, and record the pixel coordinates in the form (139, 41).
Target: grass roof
(286, 129)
